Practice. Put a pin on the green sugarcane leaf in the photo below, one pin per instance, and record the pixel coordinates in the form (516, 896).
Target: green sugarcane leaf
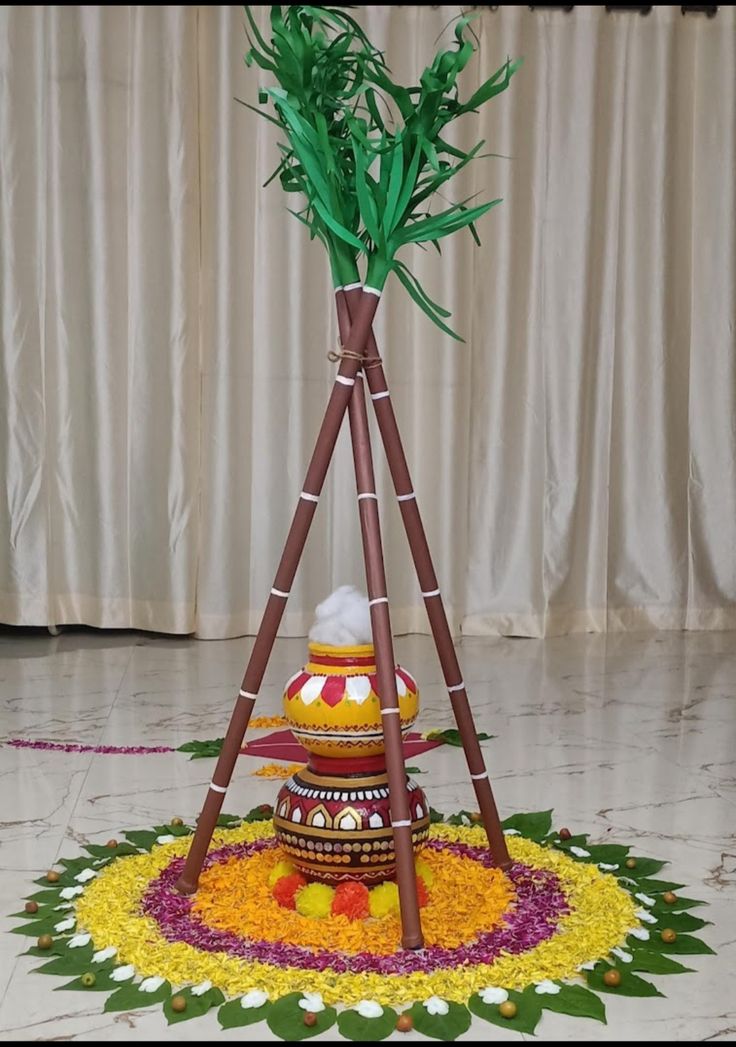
(407, 189)
(366, 202)
(259, 112)
(492, 86)
(394, 188)
(444, 224)
(257, 33)
(338, 229)
(445, 736)
(422, 303)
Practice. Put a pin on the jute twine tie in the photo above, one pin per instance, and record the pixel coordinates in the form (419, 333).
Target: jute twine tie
(335, 356)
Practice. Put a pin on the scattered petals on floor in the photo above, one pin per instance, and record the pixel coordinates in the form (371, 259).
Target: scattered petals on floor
(277, 770)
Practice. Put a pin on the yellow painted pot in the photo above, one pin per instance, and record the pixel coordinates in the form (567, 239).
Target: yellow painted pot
(332, 704)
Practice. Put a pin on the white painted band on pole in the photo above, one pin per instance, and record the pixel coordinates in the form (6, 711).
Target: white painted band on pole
(277, 592)
(405, 497)
(247, 694)
(399, 825)
(457, 687)
(371, 290)
(479, 777)
(368, 494)
(380, 396)
(309, 497)
(343, 380)
(352, 287)
(390, 712)
(378, 599)
(432, 592)
(217, 788)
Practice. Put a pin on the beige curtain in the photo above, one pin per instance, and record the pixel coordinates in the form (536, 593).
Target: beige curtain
(165, 324)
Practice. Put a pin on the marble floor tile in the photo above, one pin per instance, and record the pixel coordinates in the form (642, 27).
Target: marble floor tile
(630, 737)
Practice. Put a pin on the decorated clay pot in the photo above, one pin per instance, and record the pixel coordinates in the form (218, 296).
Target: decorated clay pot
(337, 827)
(332, 703)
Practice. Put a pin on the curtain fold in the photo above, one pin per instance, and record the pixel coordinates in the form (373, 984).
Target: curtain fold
(165, 325)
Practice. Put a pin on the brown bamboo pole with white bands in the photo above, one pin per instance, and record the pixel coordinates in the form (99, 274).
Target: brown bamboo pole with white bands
(293, 549)
(411, 930)
(428, 583)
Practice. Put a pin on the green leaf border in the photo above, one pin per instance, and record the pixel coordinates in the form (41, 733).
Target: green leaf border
(650, 956)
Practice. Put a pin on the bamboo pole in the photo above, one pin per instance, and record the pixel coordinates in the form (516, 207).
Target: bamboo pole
(348, 302)
(293, 549)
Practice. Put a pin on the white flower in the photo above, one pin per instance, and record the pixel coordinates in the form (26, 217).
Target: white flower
(435, 1005)
(79, 940)
(85, 876)
(491, 995)
(511, 832)
(151, 984)
(104, 954)
(589, 966)
(645, 916)
(606, 867)
(71, 892)
(64, 907)
(202, 988)
(641, 933)
(312, 1001)
(165, 839)
(369, 1009)
(123, 974)
(254, 998)
(622, 955)
(580, 852)
(627, 879)
(65, 925)
(645, 899)
(547, 988)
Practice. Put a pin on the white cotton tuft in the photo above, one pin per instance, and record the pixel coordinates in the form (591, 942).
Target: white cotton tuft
(343, 619)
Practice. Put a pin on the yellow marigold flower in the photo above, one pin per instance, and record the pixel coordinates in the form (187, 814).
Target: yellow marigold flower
(424, 869)
(315, 901)
(282, 868)
(384, 900)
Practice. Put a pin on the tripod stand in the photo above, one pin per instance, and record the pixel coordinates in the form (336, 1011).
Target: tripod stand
(360, 364)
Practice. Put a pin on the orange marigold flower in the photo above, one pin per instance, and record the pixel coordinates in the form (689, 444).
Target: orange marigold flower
(422, 892)
(351, 900)
(285, 889)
